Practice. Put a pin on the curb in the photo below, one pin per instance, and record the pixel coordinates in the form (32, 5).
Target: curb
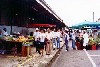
(54, 58)
(43, 65)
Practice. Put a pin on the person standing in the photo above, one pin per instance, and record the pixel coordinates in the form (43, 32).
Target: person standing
(85, 39)
(37, 42)
(58, 34)
(54, 41)
(42, 41)
(78, 40)
(73, 40)
(66, 39)
(81, 40)
(48, 41)
(91, 42)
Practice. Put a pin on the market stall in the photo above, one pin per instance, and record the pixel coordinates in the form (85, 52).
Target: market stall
(87, 25)
(16, 45)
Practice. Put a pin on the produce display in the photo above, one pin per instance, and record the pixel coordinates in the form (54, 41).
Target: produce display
(27, 41)
(11, 42)
(91, 41)
(22, 39)
(97, 40)
(19, 38)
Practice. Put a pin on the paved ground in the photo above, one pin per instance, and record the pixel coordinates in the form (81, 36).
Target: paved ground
(71, 58)
(41, 61)
(78, 58)
(95, 55)
(33, 61)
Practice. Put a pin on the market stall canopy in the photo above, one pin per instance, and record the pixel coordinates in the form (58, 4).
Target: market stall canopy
(87, 24)
(41, 25)
(23, 12)
(47, 7)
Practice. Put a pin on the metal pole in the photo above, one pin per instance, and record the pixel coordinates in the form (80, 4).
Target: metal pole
(11, 27)
(93, 16)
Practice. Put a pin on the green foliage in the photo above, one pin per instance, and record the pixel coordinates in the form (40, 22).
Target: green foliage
(97, 40)
(92, 41)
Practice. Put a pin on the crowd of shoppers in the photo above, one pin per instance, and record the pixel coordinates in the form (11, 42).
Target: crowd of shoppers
(47, 39)
(84, 39)
(50, 39)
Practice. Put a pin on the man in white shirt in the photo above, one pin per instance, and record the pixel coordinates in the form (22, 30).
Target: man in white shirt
(37, 42)
(54, 39)
(42, 41)
(48, 41)
(86, 39)
(36, 34)
(49, 34)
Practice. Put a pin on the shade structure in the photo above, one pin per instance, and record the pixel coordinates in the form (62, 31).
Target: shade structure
(23, 12)
(87, 24)
(41, 25)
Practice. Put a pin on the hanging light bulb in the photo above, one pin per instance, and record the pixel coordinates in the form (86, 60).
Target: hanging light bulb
(16, 14)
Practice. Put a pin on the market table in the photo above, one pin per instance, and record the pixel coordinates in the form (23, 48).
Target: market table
(8, 46)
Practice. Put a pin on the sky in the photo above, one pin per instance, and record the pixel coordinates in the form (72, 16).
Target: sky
(75, 11)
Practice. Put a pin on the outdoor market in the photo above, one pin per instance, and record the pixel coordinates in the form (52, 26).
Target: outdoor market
(32, 34)
(18, 28)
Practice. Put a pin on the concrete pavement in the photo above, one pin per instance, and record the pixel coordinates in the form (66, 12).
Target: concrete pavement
(77, 58)
(72, 58)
